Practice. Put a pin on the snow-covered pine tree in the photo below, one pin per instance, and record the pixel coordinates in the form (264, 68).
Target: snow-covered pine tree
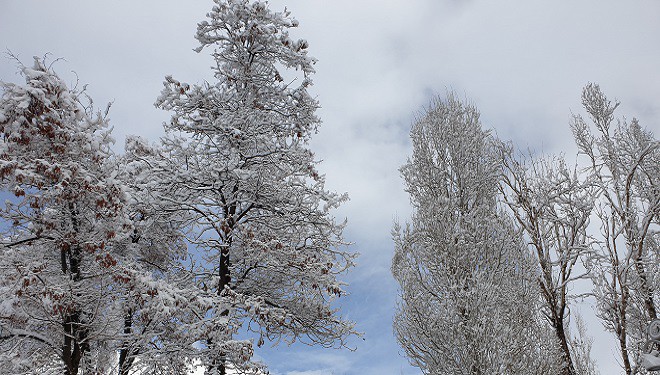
(269, 251)
(468, 297)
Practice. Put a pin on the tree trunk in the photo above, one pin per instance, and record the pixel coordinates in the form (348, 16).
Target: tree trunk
(567, 368)
(75, 345)
(224, 274)
(557, 320)
(75, 334)
(127, 355)
(225, 279)
(646, 292)
(126, 360)
(624, 351)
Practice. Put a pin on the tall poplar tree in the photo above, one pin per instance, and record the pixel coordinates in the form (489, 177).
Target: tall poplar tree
(468, 298)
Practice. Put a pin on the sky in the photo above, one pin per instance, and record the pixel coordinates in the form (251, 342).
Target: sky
(523, 63)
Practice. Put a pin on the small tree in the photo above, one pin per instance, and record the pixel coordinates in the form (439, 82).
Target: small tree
(155, 289)
(624, 166)
(268, 255)
(467, 296)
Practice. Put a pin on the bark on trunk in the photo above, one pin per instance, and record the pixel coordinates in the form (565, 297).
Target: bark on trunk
(75, 333)
(624, 352)
(646, 291)
(556, 317)
(224, 274)
(567, 368)
(126, 358)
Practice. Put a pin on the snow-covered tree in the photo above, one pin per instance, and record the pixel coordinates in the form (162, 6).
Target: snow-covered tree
(552, 207)
(580, 347)
(623, 162)
(155, 289)
(88, 256)
(268, 251)
(468, 298)
(56, 260)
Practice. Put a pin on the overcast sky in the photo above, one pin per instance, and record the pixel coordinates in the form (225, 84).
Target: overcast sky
(522, 63)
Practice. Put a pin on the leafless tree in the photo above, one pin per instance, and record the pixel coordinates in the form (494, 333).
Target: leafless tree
(552, 207)
(623, 164)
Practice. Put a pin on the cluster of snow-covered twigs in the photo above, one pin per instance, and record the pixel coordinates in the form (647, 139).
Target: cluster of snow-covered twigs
(158, 259)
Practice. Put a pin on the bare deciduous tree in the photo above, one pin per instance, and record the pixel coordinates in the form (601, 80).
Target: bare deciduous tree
(624, 166)
(552, 207)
